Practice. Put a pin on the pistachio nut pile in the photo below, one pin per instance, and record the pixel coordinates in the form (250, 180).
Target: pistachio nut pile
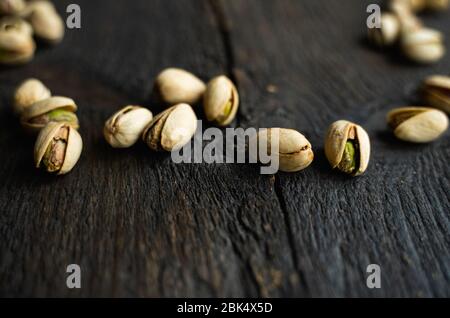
(53, 120)
(400, 26)
(20, 21)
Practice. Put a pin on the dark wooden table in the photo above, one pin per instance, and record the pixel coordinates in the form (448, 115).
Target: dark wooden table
(140, 225)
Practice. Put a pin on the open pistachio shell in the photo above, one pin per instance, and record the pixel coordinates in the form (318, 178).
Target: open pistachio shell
(423, 45)
(347, 147)
(417, 124)
(175, 86)
(16, 47)
(221, 101)
(17, 24)
(125, 127)
(436, 92)
(58, 148)
(56, 108)
(29, 92)
(294, 150)
(171, 129)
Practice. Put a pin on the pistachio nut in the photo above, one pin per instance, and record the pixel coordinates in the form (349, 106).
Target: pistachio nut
(171, 129)
(17, 24)
(29, 92)
(16, 45)
(47, 23)
(404, 10)
(294, 151)
(124, 128)
(388, 33)
(175, 86)
(347, 147)
(423, 45)
(11, 7)
(436, 92)
(417, 124)
(437, 5)
(58, 148)
(221, 101)
(53, 109)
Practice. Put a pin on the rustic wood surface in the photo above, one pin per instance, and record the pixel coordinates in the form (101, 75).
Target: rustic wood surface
(140, 225)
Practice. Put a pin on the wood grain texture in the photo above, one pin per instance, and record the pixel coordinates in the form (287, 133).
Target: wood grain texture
(140, 225)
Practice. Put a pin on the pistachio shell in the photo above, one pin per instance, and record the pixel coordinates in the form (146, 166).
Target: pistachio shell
(125, 127)
(46, 21)
(417, 124)
(436, 92)
(16, 47)
(171, 129)
(17, 24)
(423, 45)
(11, 7)
(29, 92)
(176, 86)
(388, 33)
(405, 12)
(294, 150)
(72, 146)
(47, 106)
(341, 132)
(221, 101)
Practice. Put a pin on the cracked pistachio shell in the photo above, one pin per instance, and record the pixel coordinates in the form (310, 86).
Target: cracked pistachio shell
(16, 46)
(53, 109)
(417, 124)
(58, 148)
(29, 92)
(347, 147)
(388, 33)
(436, 92)
(423, 45)
(17, 24)
(46, 22)
(221, 101)
(171, 129)
(294, 150)
(124, 128)
(176, 86)
(11, 7)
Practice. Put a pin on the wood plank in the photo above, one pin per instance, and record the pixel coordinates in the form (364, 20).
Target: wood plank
(397, 215)
(140, 225)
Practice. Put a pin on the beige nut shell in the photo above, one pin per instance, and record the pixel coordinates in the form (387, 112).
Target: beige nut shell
(73, 148)
(423, 45)
(171, 129)
(29, 92)
(436, 92)
(336, 138)
(294, 150)
(177, 86)
(417, 124)
(219, 91)
(123, 129)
